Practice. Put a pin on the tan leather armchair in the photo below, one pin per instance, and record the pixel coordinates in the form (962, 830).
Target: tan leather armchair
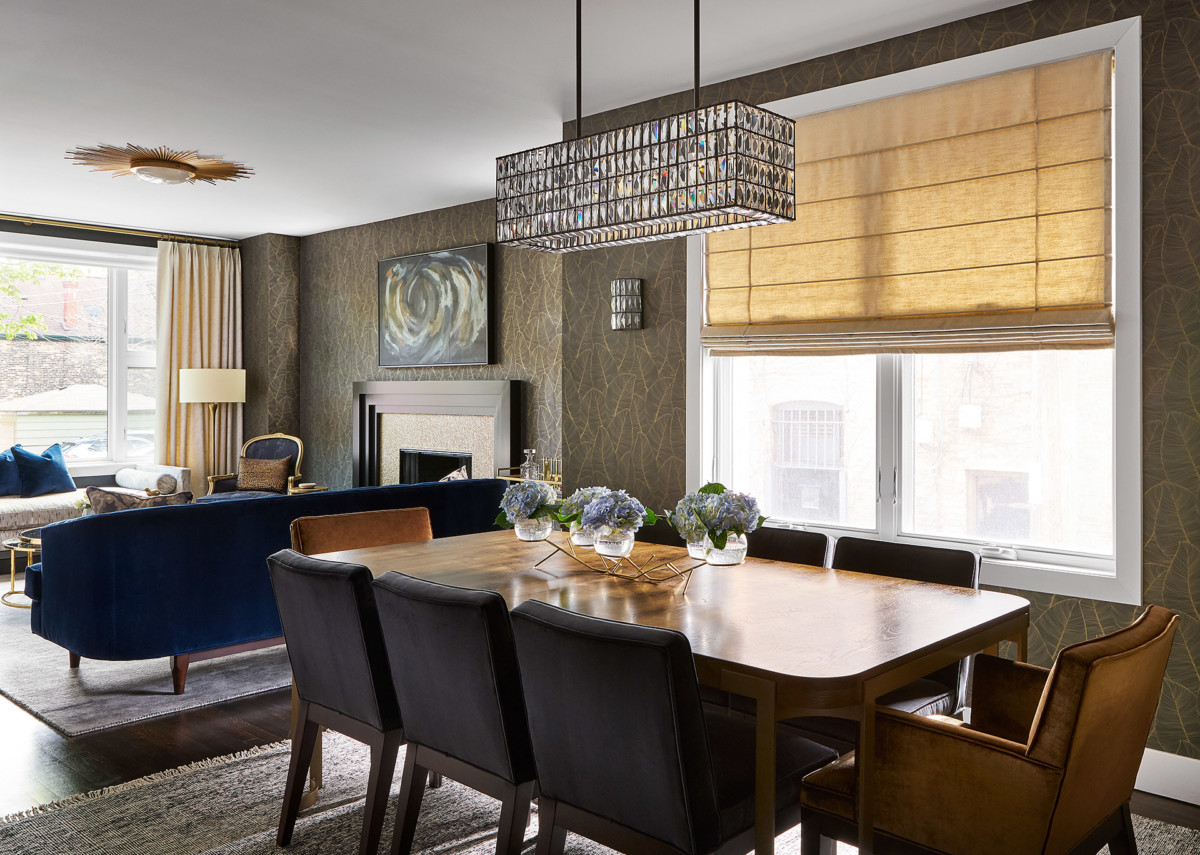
(1047, 765)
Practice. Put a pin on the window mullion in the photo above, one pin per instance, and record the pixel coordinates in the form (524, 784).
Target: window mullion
(118, 302)
(888, 444)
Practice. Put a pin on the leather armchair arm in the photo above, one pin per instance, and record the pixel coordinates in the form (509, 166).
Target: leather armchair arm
(1005, 696)
(957, 790)
(221, 483)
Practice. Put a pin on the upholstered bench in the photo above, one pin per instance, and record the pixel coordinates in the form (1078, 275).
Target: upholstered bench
(18, 514)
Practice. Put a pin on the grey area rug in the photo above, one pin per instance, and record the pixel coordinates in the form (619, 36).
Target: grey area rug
(231, 806)
(100, 695)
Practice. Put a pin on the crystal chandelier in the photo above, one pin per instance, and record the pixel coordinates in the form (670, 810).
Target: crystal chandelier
(726, 166)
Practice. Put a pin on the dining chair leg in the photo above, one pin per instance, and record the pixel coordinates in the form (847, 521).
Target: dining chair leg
(303, 742)
(379, 784)
(412, 790)
(514, 814)
(1124, 843)
(812, 841)
(551, 839)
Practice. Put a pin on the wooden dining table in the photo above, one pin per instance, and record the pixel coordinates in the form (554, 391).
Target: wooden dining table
(798, 640)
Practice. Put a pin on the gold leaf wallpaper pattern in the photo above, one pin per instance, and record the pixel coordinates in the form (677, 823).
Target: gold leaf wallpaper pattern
(623, 390)
(272, 308)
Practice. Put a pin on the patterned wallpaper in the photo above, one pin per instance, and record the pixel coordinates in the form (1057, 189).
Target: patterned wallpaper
(271, 344)
(623, 403)
(339, 323)
(600, 367)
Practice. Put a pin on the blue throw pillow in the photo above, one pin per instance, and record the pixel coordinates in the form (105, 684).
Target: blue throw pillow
(42, 473)
(10, 478)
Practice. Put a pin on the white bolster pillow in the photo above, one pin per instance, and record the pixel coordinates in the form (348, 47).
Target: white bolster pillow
(136, 479)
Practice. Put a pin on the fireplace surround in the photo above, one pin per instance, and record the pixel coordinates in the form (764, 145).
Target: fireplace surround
(447, 416)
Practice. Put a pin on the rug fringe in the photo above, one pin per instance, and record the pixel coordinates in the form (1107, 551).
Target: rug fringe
(179, 771)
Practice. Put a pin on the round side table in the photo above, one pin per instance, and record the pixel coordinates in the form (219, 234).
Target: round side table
(30, 548)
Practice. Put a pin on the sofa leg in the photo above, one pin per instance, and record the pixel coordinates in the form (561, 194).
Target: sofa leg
(73, 658)
(179, 666)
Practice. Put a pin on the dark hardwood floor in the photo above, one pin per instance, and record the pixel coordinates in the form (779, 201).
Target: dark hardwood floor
(40, 766)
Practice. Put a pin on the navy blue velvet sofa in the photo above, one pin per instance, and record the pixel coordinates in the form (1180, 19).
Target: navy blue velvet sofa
(190, 581)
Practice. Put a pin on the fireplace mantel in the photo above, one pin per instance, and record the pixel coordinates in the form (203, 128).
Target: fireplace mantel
(497, 399)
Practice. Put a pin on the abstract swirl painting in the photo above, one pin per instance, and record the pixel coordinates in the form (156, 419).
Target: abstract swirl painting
(433, 308)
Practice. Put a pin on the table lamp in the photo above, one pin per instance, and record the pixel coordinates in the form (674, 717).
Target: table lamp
(212, 386)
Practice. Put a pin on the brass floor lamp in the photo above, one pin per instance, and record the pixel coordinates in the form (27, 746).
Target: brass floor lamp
(212, 386)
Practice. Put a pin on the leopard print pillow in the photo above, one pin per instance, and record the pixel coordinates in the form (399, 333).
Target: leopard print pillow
(268, 475)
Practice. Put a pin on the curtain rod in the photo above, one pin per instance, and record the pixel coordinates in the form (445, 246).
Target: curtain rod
(38, 221)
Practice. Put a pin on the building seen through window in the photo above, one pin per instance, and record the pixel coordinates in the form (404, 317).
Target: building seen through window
(77, 341)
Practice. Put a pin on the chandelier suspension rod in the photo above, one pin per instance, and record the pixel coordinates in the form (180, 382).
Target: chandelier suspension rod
(579, 64)
(696, 90)
(578, 69)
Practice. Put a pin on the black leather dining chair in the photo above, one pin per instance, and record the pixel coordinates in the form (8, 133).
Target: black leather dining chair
(456, 677)
(791, 545)
(341, 674)
(943, 691)
(661, 533)
(625, 754)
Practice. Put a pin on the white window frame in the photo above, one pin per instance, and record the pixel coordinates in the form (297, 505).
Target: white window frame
(1119, 579)
(119, 259)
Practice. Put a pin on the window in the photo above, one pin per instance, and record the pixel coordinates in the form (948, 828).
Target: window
(78, 320)
(879, 410)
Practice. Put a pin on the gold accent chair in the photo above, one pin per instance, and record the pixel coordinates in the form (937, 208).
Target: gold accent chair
(1047, 764)
(272, 446)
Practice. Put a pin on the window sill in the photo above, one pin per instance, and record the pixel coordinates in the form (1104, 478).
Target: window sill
(1124, 587)
(100, 467)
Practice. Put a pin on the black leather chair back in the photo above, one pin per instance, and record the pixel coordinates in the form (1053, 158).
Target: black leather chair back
(782, 544)
(661, 533)
(907, 561)
(910, 561)
(455, 671)
(333, 637)
(614, 712)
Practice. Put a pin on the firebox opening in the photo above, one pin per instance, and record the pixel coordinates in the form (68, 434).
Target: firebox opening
(418, 466)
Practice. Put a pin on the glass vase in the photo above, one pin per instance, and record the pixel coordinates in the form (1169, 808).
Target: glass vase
(618, 544)
(698, 549)
(733, 553)
(538, 529)
(580, 536)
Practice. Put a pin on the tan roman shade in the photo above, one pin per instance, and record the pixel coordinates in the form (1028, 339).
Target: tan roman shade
(976, 215)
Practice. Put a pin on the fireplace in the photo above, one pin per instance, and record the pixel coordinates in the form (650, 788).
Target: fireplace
(418, 465)
(444, 420)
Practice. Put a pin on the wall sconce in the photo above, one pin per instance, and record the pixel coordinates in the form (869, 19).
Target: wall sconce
(626, 304)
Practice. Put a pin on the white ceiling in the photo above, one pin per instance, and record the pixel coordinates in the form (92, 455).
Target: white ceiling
(353, 111)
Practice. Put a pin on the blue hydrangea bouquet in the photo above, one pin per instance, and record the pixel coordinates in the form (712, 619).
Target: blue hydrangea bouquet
(527, 500)
(717, 512)
(615, 511)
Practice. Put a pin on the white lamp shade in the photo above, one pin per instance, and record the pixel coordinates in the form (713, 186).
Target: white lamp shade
(212, 385)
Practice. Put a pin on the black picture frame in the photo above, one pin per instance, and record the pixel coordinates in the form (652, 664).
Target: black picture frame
(435, 308)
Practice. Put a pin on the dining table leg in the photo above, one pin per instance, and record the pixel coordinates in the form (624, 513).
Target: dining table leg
(765, 716)
(1022, 641)
(864, 767)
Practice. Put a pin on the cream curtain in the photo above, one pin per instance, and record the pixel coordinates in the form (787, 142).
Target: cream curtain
(968, 216)
(199, 326)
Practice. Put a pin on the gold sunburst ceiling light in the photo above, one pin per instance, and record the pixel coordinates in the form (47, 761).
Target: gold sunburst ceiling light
(160, 165)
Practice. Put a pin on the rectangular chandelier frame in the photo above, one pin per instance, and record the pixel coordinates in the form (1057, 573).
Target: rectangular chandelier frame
(724, 166)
